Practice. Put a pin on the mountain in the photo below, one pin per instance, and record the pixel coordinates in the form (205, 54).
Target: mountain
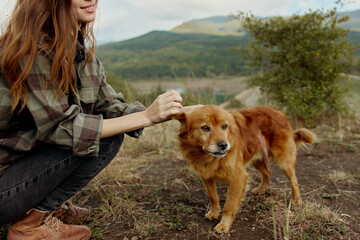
(354, 22)
(223, 25)
(219, 25)
(162, 54)
(197, 48)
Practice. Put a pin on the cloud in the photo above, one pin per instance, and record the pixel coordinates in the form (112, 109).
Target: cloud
(6, 7)
(185, 9)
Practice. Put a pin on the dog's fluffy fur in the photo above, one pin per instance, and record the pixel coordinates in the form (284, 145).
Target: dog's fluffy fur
(218, 144)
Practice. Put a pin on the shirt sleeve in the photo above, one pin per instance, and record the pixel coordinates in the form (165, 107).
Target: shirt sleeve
(112, 104)
(59, 122)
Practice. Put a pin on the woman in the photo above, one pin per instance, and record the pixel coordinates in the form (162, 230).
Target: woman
(60, 122)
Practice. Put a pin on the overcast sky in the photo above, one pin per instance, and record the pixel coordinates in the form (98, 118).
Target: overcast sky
(124, 19)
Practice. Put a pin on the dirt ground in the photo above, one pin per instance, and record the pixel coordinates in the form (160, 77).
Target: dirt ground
(164, 199)
(174, 200)
(150, 192)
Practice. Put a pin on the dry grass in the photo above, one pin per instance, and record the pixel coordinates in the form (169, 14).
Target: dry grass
(115, 197)
(113, 204)
(310, 221)
(336, 175)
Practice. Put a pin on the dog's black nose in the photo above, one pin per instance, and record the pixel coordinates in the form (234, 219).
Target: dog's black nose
(222, 145)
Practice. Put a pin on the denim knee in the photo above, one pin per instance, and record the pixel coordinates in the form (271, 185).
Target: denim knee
(72, 172)
(110, 146)
(80, 177)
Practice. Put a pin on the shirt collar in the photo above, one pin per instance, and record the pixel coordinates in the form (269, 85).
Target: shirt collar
(80, 48)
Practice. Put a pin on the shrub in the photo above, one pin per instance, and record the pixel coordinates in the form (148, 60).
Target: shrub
(302, 60)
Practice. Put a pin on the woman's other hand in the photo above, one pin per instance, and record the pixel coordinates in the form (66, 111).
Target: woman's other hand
(164, 106)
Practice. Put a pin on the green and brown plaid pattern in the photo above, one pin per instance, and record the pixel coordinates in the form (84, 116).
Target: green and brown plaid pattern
(70, 122)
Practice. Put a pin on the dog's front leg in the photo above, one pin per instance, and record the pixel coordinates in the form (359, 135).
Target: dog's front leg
(210, 186)
(236, 189)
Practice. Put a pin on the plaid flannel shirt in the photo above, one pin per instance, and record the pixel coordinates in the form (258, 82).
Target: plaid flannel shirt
(71, 122)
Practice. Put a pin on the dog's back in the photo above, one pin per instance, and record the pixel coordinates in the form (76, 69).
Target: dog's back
(265, 119)
(272, 124)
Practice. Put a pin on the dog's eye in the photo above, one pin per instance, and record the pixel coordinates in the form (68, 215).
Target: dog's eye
(205, 128)
(224, 127)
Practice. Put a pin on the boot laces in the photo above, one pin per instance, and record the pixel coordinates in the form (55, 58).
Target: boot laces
(52, 222)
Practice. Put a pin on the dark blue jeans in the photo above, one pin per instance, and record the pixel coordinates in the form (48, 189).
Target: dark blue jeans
(49, 176)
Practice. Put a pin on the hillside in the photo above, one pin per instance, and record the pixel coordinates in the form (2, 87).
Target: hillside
(163, 54)
(199, 48)
(170, 55)
(220, 26)
(223, 25)
(354, 23)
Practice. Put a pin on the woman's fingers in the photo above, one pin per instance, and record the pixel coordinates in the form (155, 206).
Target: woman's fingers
(164, 106)
(169, 108)
(171, 105)
(173, 96)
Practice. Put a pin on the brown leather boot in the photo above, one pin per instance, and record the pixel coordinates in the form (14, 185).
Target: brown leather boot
(36, 225)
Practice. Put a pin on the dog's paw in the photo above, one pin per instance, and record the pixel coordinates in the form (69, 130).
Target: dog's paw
(212, 215)
(297, 201)
(258, 190)
(222, 228)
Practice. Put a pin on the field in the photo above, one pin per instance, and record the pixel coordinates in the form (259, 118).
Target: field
(150, 192)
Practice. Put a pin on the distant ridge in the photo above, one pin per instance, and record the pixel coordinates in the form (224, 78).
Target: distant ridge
(199, 48)
(222, 25)
(161, 54)
(354, 23)
(218, 25)
(214, 19)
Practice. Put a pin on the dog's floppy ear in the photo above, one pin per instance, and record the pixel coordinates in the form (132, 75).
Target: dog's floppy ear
(181, 117)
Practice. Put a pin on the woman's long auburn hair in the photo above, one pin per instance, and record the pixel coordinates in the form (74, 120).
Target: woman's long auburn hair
(48, 27)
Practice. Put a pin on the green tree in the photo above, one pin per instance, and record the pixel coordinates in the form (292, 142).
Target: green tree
(302, 61)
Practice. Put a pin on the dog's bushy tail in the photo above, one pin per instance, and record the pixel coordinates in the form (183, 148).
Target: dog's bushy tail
(304, 137)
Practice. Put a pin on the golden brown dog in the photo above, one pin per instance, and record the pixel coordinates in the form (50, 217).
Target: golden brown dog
(218, 144)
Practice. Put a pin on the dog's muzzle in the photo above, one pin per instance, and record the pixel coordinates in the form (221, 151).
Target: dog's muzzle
(218, 150)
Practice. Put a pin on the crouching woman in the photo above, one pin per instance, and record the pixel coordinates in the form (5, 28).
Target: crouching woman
(61, 123)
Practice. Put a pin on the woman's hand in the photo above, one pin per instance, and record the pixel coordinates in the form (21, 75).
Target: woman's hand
(164, 106)
(162, 109)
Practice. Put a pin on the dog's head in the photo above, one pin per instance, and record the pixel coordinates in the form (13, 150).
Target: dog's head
(209, 127)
